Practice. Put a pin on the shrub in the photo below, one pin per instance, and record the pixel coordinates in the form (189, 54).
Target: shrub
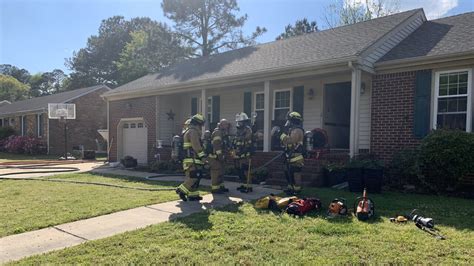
(24, 145)
(260, 175)
(445, 157)
(404, 168)
(6, 132)
(164, 167)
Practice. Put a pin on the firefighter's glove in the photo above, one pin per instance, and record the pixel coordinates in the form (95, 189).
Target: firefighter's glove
(283, 136)
(276, 132)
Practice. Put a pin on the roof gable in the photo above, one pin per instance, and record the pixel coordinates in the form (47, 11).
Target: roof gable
(450, 35)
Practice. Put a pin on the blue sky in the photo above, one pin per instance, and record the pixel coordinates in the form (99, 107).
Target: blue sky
(39, 34)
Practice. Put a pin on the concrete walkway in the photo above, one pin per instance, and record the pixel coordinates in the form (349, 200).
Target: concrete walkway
(18, 246)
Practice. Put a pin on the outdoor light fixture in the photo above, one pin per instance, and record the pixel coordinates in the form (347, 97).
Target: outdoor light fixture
(311, 93)
(362, 88)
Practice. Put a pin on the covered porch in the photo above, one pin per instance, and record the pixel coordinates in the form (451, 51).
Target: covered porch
(335, 100)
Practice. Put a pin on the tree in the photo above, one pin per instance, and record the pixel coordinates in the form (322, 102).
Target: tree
(97, 62)
(47, 83)
(148, 51)
(209, 26)
(345, 12)
(11, 89)
(22, 75)
(301, 27)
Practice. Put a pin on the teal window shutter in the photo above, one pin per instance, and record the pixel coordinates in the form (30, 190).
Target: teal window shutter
(422, 101)
(216, 108)
(194, 105)
(248, 103)
(298, 99)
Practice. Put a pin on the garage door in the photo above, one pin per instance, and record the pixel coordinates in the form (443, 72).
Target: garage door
(135, 140)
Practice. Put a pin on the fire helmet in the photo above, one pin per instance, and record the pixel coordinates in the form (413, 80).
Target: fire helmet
(294, 116)
(197, 119)
(223, 124)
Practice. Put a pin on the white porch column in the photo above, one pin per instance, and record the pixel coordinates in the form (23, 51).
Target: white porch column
(355, 102)
(267, 119)
(204, 107)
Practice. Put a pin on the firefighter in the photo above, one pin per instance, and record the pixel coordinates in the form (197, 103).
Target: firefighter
(292, 142)
(217, 156)
(193, 162)
(186, 125)
(243, 149)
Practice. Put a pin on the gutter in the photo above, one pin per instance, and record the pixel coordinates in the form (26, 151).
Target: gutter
(423, 60)
(223, 80)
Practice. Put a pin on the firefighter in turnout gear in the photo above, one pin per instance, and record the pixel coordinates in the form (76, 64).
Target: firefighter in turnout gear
(242, 150)
(219, 145)
(193, 162)
(292, 142)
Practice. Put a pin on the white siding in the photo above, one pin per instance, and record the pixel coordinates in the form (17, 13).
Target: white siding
(395, 38)
(364, 113)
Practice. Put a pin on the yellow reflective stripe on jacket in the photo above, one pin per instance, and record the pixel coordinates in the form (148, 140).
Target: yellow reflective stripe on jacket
(297, 158)
(193, 193)
(187, 145)
(192, 161)
(215, 187)
(219, 152)
(283, 136)
(216, 138)
(213, 156)
(201, 154)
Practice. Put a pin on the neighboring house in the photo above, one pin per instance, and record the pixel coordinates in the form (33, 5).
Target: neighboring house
(376, 86)
(30, 118)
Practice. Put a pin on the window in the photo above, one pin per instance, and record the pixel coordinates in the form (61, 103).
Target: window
(125, 125)
(133, 125)
(39, 125)
(140, 125)
(453, 100)
(209, 109)
(23, 125)
(259, 109)
(282, 104)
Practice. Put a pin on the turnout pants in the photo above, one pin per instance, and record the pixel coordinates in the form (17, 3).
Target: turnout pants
(217, 173)
(190, 185)
(294, 168)
(243, 167)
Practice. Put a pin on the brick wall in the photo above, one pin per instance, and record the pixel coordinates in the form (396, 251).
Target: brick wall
(91, 115)
(392, 113)
(139, 107)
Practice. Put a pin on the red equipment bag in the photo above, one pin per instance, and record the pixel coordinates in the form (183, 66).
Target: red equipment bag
(302, 206)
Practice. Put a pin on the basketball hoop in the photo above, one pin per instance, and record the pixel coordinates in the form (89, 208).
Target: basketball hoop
(62, 112)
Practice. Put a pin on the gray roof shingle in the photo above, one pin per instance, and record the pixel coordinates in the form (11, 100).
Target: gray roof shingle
(438, 37)
(39, 103)
(323, 46)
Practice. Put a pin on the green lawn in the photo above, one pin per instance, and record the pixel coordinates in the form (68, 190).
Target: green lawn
(29, 205)
(240, 234)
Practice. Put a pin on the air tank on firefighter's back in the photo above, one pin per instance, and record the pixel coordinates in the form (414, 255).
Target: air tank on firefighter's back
(176, 148)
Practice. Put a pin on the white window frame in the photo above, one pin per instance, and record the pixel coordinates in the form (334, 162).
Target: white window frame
(274, 101)
(255, 101)
(468, 95)
(209, 104)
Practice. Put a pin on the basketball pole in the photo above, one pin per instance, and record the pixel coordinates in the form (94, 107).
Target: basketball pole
(65, 138)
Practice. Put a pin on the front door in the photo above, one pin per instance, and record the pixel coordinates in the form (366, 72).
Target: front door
(337, 114)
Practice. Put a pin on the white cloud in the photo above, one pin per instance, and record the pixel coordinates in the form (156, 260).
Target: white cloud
(433, 8)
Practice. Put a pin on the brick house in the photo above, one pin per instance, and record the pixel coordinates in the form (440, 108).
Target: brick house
(30, 118)
(376, 86)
